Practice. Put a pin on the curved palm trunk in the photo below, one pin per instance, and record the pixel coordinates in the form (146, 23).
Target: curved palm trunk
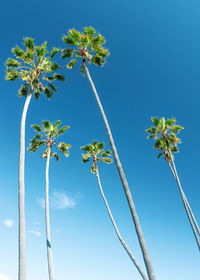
(117, 231)
(49, 250)
(184, 199)
(21, 195)
(188, 205)
(138, 228)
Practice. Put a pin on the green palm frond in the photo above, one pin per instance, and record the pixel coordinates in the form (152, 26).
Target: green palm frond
(23, 91)
(54, 52)
(85, 158)
(34, 66)
(46, 125)
(29, 43)
(37, 127)
(164, 133)
(63, 129)
(67, 53)
(35, 144)
(106, 160)
(71, 64)
(56, 156)
(12, 75)
(59, 77)
(18, 52)
(64, 147)
(12, 63)
(93, 169)
(48, 92)
(87, 45)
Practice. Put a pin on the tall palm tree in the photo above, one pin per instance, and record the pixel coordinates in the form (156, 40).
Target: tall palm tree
(88, 46)
(96, 152)
(46, 136)
(32, 66)
(164, 134)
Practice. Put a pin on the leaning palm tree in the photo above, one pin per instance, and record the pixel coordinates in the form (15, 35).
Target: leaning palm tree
(33, 67)
(46, 136)
(166, 141)
(96, 153)
(88, 46)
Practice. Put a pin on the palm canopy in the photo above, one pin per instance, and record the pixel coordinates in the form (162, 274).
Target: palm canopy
(46, 135)
(164, 133)
(96, 152)
(87, 45)
(35, 67)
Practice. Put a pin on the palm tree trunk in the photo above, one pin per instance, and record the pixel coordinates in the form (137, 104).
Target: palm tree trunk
(188, 205)
(21, 195)
(138, 228)
(117, 231)
(49, 250)
(184, 199)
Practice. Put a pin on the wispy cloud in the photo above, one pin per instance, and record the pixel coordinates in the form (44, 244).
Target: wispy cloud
(34, 232)
(8, 223)
(4, 276)
(59, 200)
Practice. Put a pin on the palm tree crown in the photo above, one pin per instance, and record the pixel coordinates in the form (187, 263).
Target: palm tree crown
(97, 153)
(87, 45)
(33, 66)
(47, 135)
(164, 133)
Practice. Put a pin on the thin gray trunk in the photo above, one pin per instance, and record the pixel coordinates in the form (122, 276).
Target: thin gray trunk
(188, 205)
(183, 199)
(21, 195)
(138, 228)
(117, 231)
(48, 239)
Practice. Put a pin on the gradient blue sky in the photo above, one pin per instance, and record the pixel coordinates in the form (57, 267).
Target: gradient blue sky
(153, 70)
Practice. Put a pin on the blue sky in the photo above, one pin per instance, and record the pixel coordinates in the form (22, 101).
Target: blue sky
(153, 70)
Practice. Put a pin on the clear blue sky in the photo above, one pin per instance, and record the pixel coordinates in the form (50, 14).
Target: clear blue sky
(153, 70)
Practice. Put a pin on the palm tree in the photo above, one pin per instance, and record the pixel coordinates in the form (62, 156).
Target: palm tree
(46, 136)
(96, 152)
(88, 46)
(33, 67)
(164, 134)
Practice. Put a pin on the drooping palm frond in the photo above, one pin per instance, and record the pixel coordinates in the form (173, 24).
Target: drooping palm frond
(87, 45)
(33, 65)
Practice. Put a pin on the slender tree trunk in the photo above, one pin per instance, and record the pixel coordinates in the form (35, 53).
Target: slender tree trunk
(188, 205)
(138, 228)
(184, 199)
(117, 231)
(21, 195)
(48, 239)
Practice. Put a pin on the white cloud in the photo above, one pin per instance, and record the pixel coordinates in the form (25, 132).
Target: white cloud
(4, 277)
(59, 200)
(34, 232)
(8, 223)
